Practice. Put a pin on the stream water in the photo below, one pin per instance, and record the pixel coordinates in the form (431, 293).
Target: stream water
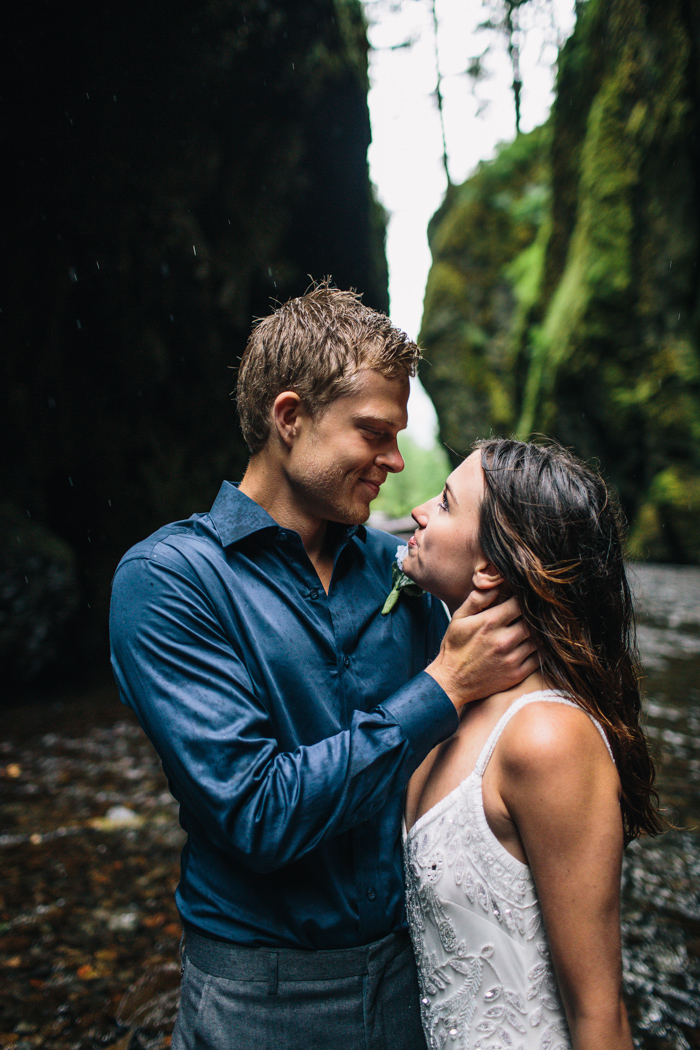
(89, 847)
(661, 876)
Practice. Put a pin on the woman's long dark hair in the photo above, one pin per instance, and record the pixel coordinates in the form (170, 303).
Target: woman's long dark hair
(550, 527)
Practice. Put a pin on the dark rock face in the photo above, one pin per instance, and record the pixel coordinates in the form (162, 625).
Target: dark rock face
(585, 324)
(172, 169)
(39, 595)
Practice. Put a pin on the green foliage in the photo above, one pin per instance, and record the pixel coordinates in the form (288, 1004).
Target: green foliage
(666, 524)
(422, 478)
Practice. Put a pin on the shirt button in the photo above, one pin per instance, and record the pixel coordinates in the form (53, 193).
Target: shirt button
(371, 895)
(313, 595)
(346, 661)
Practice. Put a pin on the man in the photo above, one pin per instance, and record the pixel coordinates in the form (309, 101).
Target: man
(288, 712)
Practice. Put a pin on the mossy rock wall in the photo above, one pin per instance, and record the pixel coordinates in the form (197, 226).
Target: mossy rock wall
(172, 169)
(487, 250)
(600, 345)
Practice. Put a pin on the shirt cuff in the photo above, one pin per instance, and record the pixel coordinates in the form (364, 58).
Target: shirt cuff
(424, 712)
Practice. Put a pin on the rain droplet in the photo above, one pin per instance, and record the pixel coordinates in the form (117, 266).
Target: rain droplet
(194, 249)
(70, 482)
(79, 325)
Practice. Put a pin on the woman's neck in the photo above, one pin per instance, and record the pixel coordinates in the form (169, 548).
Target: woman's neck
(502, 701)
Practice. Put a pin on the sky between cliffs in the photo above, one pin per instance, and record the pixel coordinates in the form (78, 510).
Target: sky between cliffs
(406, 152)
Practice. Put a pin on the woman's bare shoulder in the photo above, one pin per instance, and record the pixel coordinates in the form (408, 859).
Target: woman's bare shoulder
(552, 766)
(546, 737)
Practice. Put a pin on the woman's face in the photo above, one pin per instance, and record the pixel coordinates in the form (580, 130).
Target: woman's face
(444, 553)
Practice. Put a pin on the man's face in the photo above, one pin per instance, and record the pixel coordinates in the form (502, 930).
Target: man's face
(341, 458)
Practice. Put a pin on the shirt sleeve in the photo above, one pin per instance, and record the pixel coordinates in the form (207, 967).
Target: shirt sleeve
(178, 670)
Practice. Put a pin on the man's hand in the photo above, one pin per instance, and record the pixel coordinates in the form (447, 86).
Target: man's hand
(486, 649)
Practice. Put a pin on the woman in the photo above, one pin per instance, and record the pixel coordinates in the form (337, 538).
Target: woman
(516, 825)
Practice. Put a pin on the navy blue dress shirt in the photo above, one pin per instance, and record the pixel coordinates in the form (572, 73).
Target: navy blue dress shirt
(288, 720)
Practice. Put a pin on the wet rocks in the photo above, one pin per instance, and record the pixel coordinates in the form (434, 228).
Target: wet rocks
(89, 848)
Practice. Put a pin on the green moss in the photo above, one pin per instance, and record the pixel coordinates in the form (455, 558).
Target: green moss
(666, 526)
(525, 272)
(475, 289)
(598, 269)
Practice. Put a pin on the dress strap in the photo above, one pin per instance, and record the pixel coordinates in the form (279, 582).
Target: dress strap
(548, 695)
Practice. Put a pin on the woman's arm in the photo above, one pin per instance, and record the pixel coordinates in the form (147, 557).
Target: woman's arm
(561, 789)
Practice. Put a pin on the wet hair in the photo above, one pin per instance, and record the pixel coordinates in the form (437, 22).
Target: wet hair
(315, 345)
(553, 531)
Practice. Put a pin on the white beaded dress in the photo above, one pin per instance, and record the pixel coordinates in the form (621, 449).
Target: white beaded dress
(485, 973)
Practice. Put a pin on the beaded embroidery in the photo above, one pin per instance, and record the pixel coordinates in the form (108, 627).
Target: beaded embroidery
(479, 990)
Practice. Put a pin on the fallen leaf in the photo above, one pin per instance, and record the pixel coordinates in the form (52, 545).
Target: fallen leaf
(87, 972)
(155, 920)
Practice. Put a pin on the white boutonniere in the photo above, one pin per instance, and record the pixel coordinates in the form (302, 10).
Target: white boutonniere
(400, 582)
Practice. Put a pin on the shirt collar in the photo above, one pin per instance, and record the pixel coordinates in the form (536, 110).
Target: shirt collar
(236, 516)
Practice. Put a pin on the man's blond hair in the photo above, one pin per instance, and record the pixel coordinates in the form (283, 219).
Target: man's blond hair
(315, 345)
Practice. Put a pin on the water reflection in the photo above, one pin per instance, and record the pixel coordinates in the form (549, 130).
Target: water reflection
(661, 877)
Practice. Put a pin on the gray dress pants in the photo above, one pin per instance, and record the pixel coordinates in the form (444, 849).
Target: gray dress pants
(260, 999)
